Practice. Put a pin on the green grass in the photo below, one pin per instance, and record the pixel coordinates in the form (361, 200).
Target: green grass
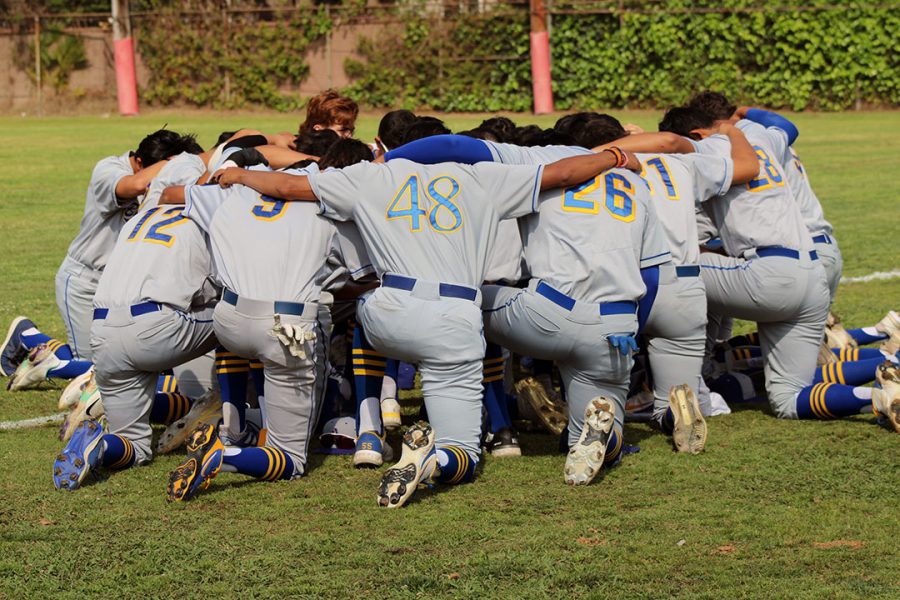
(772, 509)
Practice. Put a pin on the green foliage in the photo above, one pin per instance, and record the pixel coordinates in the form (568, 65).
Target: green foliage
(820, 59)
(228, 61)
(62, 53)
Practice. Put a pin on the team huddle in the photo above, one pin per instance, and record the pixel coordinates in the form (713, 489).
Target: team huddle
(272, 288)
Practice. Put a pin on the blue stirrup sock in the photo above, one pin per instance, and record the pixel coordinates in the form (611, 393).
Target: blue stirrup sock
(169, 404)
(232, 372)
(455, 465)
(613, 447)
(832, 401)
(118, 452)
(848, 373)
(867, 335)
(265, 462)
(854, 354)
(495, 400)
(368, 375)
(70, 368)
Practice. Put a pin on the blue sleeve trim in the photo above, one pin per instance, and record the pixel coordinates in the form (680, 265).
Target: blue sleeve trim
(768, 118)
(650, 275)
(443, 148)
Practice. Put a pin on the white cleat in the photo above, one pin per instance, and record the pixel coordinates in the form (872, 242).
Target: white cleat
(372, 450)
(835, 334)
(586, 457)
(417, 464)
(72, 392)
(886, 400)
(33, 370)
(540, 398)
(890, 323)
(390, 413)
(689, 433)
(88, 407)
(206, 409)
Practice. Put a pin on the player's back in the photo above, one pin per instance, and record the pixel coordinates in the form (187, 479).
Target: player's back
(160, 255)
(591, 240)
(810, 207)
(433, 222)
(184, 169)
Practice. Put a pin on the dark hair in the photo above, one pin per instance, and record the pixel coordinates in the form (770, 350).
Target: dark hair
(570, 124)
(300, 164)
(598, 130)
(682, 120)
(714, 104)
(344, 153)
(224, 137)
(164, 143)
(501, 127)
(481, 133)
(316, 142)
(424, 127)
(393, 126)
(532, 135)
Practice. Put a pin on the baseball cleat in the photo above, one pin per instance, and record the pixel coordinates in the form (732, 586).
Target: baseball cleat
(72, 392)
(826, 356)
(89, 406)
(390, 413)
(13, 352)
(204, 461)
(689, 433)
(206, 409)
(504, 443)
(551, 414)
(81, 455)
(33, 370)
(891, 346)
(890, 323)
(835, 334)
(417, 463)
(372, 450)
(886, 399)
(586, 457)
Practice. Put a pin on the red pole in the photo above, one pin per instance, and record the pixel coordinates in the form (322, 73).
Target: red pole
(123, 47)
(541, 81)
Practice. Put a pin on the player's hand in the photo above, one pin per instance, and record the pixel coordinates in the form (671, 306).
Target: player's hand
(227, 177)
(632, 129)
(632, 164)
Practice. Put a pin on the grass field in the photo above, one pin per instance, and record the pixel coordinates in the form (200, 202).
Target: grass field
(772, 509)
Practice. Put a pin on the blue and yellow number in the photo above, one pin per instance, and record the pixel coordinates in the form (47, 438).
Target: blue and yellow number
(770, 175)
(410, 192)
(444, 201)
(141, 222)
(270, 209)
(659, 163)
(155, 234)
(619, 201)
(574, 201)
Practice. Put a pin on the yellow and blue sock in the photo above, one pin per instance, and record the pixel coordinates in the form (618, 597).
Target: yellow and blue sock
(169, 404)
(118, 452)
(494, 399)
(848, 373)
(867, 335)
(258, 375)
(232, 372)
(748, 339)
(368, 373)
(853, 354)
(265, 462)
(32, 338)
(832, 401)
(455, 464)
(70, 369)
(613, 447)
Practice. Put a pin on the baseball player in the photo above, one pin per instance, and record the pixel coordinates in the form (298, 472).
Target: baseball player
(330, 110)
(429, 231)
(273, 259)
(151, 313)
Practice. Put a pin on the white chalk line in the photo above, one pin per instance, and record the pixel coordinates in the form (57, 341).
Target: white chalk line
(35, 422)
(877, 276)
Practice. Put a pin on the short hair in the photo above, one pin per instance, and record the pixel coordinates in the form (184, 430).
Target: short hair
(501, 127)
(164, 143)
(316, 142)
(300, 164)
(572, 123)
(393, 126)
(345, 152)
(714, 104)
(224, 137)
(598, 130)
(682, 120)
(327, 108)
(532, 135)
(424, 127)
(481, 133)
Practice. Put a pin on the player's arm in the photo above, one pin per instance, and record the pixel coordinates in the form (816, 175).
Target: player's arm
(174, 194)
(132, 186)
(277, 185)
(767, 118)
(746, 163)
(576, 169)
(663, 142)
(443, 148)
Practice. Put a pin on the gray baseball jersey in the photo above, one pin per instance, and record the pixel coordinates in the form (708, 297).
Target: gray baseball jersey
(104, 213)
(184, 169)
(510, 154)
(161, 256)
(761, 212)
(507, 259)
(810, 207)
(678, 184)
(433, 222)
(269, 249)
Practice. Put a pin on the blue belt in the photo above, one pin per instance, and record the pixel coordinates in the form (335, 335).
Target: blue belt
(764, 251)
(823, 239)
(278, 306)
(568, 303)
(446, 290)
(142, 308)
(687, 271)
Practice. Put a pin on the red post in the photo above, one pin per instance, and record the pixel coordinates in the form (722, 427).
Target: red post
(541, 81)
(123, 47)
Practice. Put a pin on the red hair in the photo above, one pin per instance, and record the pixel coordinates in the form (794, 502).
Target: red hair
(328, 108)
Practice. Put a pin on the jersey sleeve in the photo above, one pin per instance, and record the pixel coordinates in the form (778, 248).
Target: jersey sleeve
(184, 169)
(712, 175)
(514, 190)
(104, 179)
(778, 138)
(715, 145)
(352, 251)
(201, 203)
(338, 190)
(654, 247)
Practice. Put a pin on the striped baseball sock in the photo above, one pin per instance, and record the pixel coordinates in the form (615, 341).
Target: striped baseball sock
(118, 452)
(231, 374)
(169, 404)
(70, 369)
(265, 462)
(368, 373)
(494, 399)
(614, 447)
(455, 465)
(32, 338)
(853, 354)
(867, 335)
(848, 373)
(749, 339)
(832, 401)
